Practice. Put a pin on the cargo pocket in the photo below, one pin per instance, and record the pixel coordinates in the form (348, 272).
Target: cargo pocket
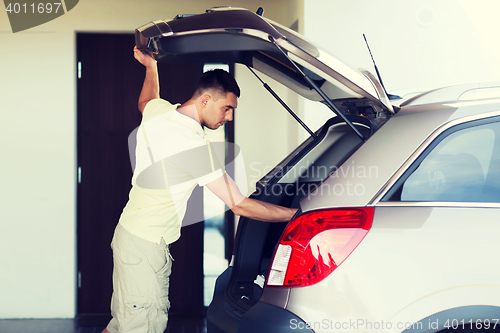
(159, 318)
(163, 307)
(164, 304)
(136, 314)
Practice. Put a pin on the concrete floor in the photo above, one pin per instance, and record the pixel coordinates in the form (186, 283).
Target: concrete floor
(176, 325)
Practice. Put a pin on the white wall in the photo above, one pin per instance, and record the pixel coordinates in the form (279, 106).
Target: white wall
(418, 44)
(38, 146)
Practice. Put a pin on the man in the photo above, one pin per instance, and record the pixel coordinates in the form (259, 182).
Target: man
(172, 157)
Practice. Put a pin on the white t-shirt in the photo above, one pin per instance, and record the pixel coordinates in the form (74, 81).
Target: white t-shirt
(172, 157)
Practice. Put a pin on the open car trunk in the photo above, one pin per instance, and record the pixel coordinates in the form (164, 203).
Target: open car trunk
(241, 286)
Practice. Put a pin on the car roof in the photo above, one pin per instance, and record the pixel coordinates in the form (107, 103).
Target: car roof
(460, 92)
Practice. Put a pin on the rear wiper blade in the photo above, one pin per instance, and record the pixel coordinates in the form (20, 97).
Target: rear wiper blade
(330, 104)
(284, 104)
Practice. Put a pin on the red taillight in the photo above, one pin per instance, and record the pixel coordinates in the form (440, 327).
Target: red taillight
(315, 243)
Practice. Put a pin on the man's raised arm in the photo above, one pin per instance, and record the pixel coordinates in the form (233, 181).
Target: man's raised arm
(151, 87)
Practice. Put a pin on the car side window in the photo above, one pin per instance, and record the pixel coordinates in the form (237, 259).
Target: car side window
(463, 167)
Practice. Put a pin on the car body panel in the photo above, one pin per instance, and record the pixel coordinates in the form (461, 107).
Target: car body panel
(470, 113)
(358, 180)
(393, 275)
(372, 166)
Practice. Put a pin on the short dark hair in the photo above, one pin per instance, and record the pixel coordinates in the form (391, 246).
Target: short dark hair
(218, 80)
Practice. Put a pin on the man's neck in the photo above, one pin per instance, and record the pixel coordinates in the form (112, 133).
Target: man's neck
(190, 110)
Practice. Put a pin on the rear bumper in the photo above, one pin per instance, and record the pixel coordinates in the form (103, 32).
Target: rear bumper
(219, 319)
(267, 318)
(261, 318)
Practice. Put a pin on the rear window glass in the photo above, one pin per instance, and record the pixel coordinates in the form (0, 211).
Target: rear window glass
(338, 143)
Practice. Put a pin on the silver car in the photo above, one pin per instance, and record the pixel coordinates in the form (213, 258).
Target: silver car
(399, 200)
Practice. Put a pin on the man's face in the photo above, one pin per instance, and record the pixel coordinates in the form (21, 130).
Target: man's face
(219, 110)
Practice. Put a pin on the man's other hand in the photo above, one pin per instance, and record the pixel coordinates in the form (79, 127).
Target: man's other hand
(146, 59)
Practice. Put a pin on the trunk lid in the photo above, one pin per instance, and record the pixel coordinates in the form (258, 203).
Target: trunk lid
(241, 36)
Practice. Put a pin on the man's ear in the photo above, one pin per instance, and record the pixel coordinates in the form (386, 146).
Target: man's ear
(205, 98)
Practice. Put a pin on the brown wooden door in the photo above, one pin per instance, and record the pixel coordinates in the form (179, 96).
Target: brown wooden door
(109, 83)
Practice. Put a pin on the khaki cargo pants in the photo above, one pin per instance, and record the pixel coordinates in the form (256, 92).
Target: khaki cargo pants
(140, 284)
